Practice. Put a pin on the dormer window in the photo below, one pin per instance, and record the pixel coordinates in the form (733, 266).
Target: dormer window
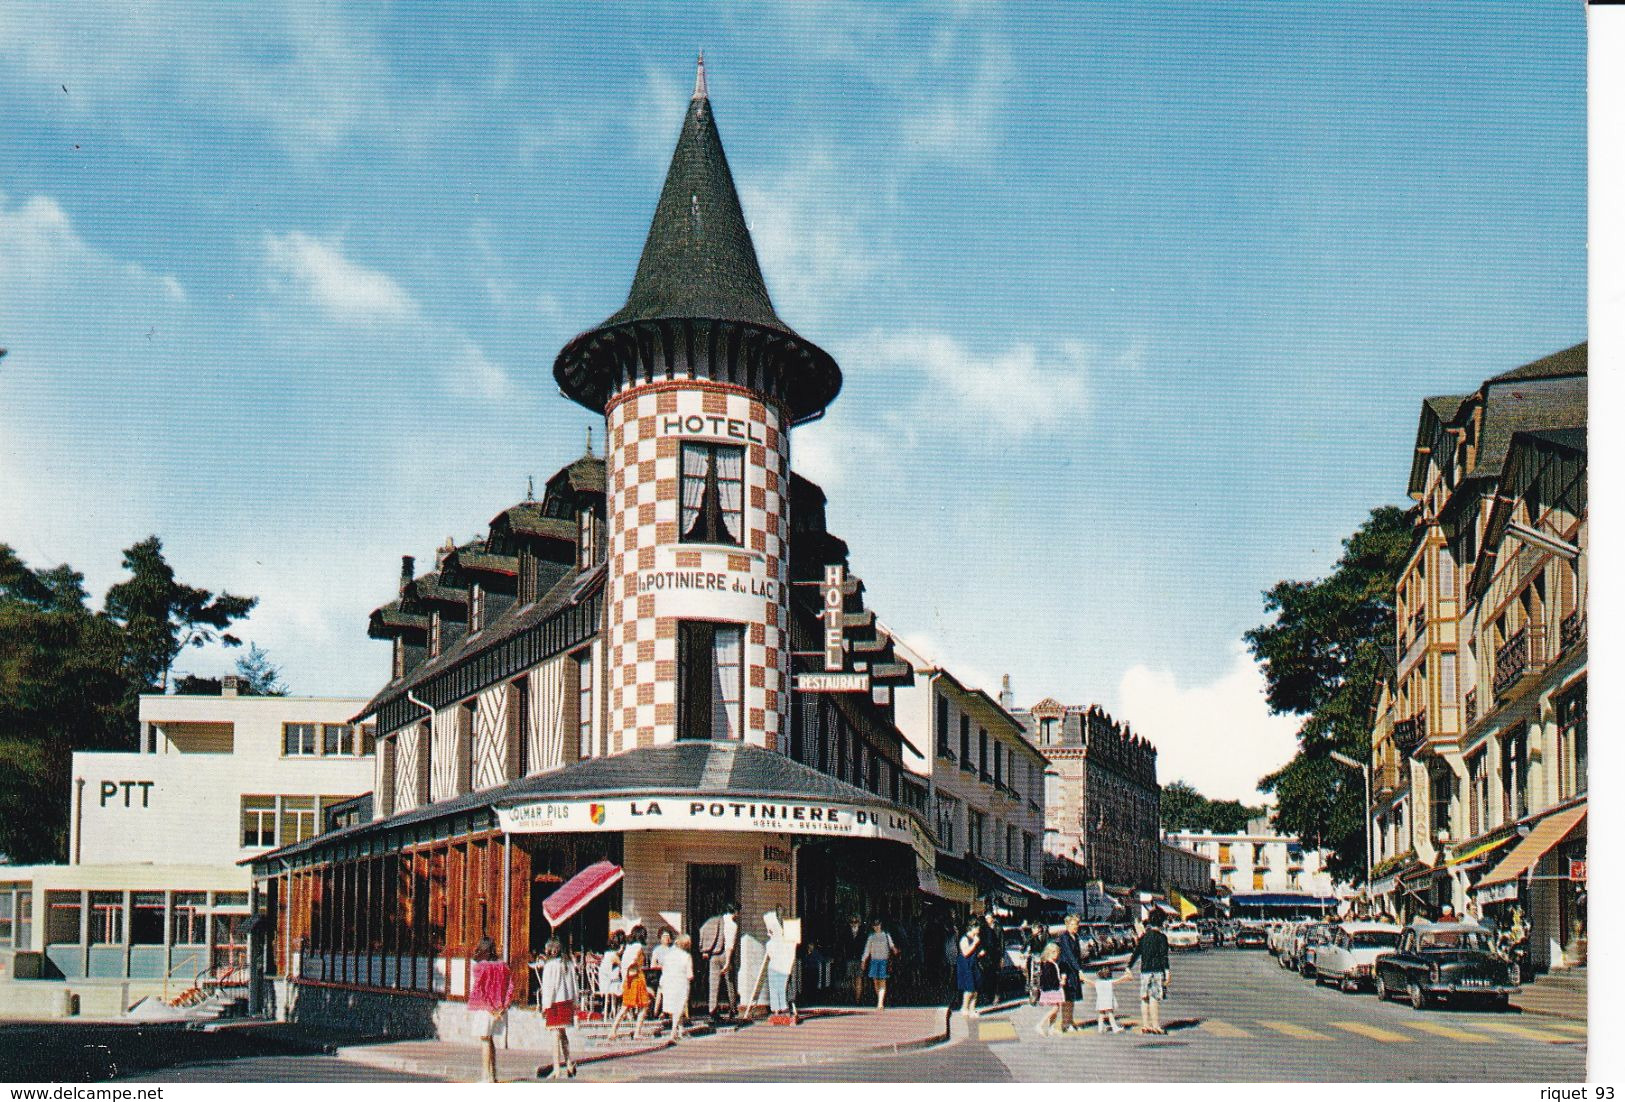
(586, 539)
(476, 608)
(434, 633)
(713, 494)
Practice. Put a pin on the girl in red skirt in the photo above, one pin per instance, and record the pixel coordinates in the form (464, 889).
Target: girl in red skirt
(558, 999)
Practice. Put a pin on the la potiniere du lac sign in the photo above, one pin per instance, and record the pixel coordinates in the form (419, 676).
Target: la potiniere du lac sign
(700, 812)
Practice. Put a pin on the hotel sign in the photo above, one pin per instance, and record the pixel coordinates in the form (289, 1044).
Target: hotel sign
(832, 682)
(834, 591)
(707, 812)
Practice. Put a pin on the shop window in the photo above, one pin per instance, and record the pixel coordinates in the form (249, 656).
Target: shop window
(711, 660)
(64, 918)
(147, 918)
(106, 918)
(298, 740)
(713, 494)
(259, 821)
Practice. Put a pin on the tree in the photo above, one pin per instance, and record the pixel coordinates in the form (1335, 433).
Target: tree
(260, 675)
(1322, 656)
(161, 617)
(1184, 808)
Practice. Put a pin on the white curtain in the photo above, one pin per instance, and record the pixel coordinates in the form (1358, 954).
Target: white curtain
(731, 490)
(727, 683)
(696, 464)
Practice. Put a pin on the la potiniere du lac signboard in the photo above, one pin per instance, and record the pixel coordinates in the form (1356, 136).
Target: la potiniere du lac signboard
(700, 812)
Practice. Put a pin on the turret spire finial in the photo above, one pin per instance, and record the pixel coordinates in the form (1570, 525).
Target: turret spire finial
(699, 79)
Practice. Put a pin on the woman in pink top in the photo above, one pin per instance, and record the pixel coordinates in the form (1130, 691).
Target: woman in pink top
(490, 990)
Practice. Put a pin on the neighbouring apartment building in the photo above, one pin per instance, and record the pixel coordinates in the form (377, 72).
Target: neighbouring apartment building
(154, 898)
(1260, 872)
(1102, 803)
(1479, 755)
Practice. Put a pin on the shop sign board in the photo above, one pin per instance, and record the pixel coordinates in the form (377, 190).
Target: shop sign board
(1504, 892)
(703, 811)
(832, 682)
(1577, 869)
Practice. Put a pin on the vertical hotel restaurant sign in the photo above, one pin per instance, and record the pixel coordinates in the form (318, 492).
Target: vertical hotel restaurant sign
(835, 678)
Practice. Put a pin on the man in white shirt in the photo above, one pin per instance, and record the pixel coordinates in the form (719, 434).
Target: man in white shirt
(719, 936)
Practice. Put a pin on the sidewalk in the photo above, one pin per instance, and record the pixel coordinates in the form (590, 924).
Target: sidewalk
(822, 1036)
(1560, 994)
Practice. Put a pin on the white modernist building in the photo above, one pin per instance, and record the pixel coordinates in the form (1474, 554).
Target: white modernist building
(153, 896)
(1265, 872)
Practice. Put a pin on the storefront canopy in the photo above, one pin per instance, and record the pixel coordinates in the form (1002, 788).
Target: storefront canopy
(1282, 899)
(1019, 883)
(580, 890)
(1539, 841)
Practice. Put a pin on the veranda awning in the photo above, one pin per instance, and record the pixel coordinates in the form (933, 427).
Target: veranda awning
(580, 890)
(1541, 838)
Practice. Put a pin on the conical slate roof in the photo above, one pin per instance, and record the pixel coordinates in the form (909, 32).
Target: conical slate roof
(698, 266)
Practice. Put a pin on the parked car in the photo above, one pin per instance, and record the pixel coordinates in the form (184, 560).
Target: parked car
(1280, 937)
(1444, 961)
(1251, 937)
(1183, 935)
(1104, 940)
(1316, 935)
(1349, 957)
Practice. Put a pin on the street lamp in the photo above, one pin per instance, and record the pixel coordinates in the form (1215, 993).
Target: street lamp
(1364, 769)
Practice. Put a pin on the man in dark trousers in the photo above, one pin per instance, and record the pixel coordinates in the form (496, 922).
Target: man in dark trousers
(719, 937)
(1071, 962)
(1152, 953)
(990, 953)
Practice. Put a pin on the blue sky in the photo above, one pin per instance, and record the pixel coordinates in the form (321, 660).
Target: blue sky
(1136, 303)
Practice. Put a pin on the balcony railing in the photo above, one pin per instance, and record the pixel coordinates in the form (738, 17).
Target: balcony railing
(1386, 778)
(1419, 623)
(1572, 630)
(1520, 656)
(1409, 733)
(1470, 705)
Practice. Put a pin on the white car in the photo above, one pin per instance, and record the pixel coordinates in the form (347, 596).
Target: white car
(1183, 935)
(1349, 958)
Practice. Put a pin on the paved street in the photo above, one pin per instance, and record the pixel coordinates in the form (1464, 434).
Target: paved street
(1235, 1015)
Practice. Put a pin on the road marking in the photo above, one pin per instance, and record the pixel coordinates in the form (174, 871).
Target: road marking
(1292, 1029)
(1222, 1029)
(1566, 1027)
(1522, 1031)
(1450, 1031)
(995, 1031)
(1374, 1033)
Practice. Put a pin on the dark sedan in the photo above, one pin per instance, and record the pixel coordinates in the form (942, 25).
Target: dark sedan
(1251, 937)
(1446, 961)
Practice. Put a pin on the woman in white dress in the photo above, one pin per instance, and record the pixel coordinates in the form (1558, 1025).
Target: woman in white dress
(609, 974)
(676, 977)
(558, 996)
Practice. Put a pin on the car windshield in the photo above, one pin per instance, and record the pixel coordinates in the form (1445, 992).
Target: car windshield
(1374, 939)
(1456, 939)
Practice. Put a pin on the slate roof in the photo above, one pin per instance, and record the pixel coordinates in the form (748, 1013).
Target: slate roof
(698, 264)
(710, 768)
(1570, 361)
(1527, 404)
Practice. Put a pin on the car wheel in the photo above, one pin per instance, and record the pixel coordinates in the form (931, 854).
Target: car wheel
(1320, 978)
(1348, 985)
(1382, 990)
(1419, 998)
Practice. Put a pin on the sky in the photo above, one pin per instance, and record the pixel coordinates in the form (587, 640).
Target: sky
(1136, 304)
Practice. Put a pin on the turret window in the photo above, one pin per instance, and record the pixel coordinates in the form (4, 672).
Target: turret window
(713, 494)
(711, 660)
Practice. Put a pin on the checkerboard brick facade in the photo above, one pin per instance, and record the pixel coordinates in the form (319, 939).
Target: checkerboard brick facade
(646, 426)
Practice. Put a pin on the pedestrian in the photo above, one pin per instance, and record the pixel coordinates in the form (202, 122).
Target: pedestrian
(719, 937)
(1447, 913)
(855, 941)
(991, 952)
(1106, 999)
(781, 959)
(965, 965)
(656, 966)
(1151, 951)
(1071, 962)
(609, 974)
(675, 981)
(634, 984)
(558, 998)
(1049, 988)
(878, 952)
(490, 991)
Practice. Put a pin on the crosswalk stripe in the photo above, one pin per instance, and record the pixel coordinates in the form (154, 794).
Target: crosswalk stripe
(1521, 1031)
(1374, 1033)
(995, 1031)
(1223, 1029)
(1451, 1031)
(1567, 1027)
(1293, 1029)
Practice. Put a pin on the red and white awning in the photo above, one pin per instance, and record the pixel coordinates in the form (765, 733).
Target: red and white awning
(580, 890)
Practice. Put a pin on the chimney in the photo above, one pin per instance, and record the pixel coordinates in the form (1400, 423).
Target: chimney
(231, 685)
(407, 563)
(1007, 699)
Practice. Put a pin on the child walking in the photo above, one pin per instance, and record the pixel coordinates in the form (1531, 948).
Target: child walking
(1106, 999)
(1049, 987)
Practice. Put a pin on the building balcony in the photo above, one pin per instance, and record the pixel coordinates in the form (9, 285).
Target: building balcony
(1419, 624)
(1520, 659)
(1409, 733)
(1385, 779)
(1572, 632)
(1470, 707)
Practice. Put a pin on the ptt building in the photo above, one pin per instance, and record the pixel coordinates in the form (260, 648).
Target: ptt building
(662, 664)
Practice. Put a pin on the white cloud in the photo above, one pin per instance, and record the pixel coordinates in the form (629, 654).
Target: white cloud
(933, 650)
(472, 370)
(1220, 736)
(961, 125)
(346, 290)
(1018, 390)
